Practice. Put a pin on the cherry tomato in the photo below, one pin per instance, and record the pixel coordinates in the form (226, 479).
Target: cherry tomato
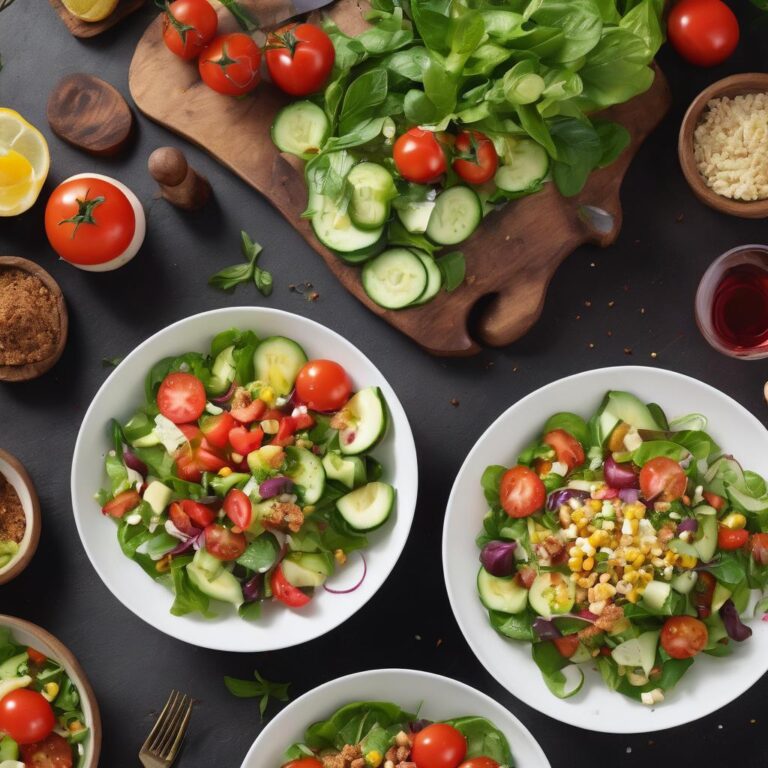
(198, 513)
(90, 221)
(300, 58)
(419, 157)
(180, 519)
(238, 508)
(567, 645)
(714, 501)
(122, 503)
(216, 429)
(729, 538)
(567, 448)
(439, 746)
(52, 752)
(683, 636)
(223, 543)
(26, 716)
(704, 32)
(662, 479)
(759, 547)
(525, 577)
(480, 762)
(304, 762)
(188, 27)
(476, 159)
(521, 492)
(244, 440)
(323, 385)
(251, 412)
(703, 592)
(181, 397)
(285, 592)
(285, 432)
(231, 64)
(36, 657)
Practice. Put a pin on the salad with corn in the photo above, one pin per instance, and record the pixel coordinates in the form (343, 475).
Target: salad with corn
(629, 542)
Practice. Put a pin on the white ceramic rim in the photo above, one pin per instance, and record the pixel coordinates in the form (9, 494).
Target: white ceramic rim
(14, 478)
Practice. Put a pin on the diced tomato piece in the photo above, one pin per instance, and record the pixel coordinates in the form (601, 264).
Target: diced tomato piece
(122, 503)
(186, 466)
(759, 547)
(199, 514)
(718, 502)
(243, 440)
(730, 538)
(567, 645)
(238, 508)
(284, 434)
(216, 429)
(180, 519)
(35, 656)
(525, 577)
(249, 413)
(285, 592)
(303, 421)
(191, 431)
(223, 543)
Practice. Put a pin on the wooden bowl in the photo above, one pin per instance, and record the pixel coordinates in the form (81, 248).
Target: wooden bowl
(33, 370)
(26, 633)
(736, 85)
(17, 476)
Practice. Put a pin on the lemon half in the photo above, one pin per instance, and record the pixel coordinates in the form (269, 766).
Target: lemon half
(24, 163)
(90, 10)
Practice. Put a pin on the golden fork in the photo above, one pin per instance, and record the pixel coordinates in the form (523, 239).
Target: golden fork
(162, 745)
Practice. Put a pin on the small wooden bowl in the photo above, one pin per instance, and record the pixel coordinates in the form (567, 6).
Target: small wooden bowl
(33, 370)
(26, 633)
(13, 470)
(736, 85)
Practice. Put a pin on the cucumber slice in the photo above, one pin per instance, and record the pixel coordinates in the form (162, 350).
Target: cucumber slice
(365, 416)
(336, 230)
(349, 470)
(277, 361)
(307, 472)
(706, 537)
(368, 507)
(656, 594)
(501, 594)
(300, 128)
(457, 214)
(552, 594)
(415, 216)
(637, 652)
(364, 254)
(222, 372)
(395, 279)
(434, 278)
(307, 569)
(373, 188)
(719, 596)
(526, 164)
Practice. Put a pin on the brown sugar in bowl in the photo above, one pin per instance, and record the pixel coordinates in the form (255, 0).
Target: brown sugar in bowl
(31, 370)
(16, 475)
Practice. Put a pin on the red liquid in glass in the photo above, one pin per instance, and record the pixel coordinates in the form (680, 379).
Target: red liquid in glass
(740, 307)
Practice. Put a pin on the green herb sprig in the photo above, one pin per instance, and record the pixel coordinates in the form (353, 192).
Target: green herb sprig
(259, 688)
(230, 277)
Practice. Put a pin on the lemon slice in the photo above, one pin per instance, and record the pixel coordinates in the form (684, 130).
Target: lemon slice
(90, 10)
(24, 163)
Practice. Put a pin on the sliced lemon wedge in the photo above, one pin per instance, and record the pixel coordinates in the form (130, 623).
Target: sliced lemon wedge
(91, 10)
(24, 163)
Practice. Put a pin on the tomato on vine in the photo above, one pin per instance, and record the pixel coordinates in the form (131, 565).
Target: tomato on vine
(231, 64)
(188, 26)
(300, 58)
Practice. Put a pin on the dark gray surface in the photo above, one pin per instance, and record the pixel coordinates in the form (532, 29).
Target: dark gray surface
(651, 274)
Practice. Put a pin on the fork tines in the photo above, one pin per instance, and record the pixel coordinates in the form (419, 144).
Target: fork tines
(165, 738)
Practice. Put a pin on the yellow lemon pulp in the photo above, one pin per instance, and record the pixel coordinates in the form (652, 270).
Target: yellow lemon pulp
(90, 10)
(24, 163)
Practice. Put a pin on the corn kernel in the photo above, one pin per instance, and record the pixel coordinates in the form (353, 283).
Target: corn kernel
(75, 726)
(583, 583)
(634, 525)
(599, 539)
(589, 564)
(645, 549)
(374, 758)
(575, 563)
(688, 561)
(631, 553)
(267, 395)
(163, 565)
(582, 524)
(633, 596)
(50, 691)
(645, 576)
(596, 504)
(574, 577)
(631, 576)
(340, 556)
(575, 552)
(734, 521)
(225, 472)
(577, 515)
(639, 561)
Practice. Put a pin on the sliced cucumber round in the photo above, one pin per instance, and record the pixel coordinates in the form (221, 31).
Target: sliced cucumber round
(526, 165)
(364, 254)
(395, 278)
(501, 594)
(373, 188)
(457, 214)
(434, 278)
(365, 415)
(336, 230)
(307, 473)
(415, 216)
(277, 361)
(300, 128)
(552, 594)
(368, 507)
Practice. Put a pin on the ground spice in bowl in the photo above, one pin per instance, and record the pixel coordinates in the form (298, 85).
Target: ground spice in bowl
(13, 521)
(30, 325)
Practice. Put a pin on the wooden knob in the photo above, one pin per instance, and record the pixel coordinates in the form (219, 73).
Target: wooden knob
(180, 184)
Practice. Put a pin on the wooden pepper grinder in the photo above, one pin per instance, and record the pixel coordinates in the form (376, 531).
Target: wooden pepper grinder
(180, 184)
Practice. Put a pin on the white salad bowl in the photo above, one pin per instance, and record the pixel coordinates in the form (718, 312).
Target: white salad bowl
(432, 696)
(279, 626)
(711, 682)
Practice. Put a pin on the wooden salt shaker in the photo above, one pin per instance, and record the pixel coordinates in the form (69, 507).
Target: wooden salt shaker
(180, 184)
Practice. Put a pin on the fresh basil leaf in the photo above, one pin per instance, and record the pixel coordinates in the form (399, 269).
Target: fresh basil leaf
(572, 423)
(230, 277)
(261, 553)
(364, 95)
(484, 739)
(453, 267)
(580, 21)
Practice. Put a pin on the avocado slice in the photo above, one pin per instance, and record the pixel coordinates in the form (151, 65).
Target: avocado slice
(306, 569)
(623, 406)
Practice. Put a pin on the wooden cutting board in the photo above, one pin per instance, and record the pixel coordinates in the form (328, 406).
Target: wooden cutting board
(81, 28)
(510, 259)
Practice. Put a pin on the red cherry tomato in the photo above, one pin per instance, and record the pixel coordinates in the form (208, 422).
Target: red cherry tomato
(476, 159)
(480, 762)
(304, 762)
(525, 577)
(683, 636)
(244, 440)
(714, 501)
(567, 448)
(759, 547)
(180, 519)
(216, 429)
(199, 514)
(122, 503)
(285, 592)
(231, 64)
(567, 645)
(439, 746)
(89, 221)
(26, 716)
(36, 657)
(181, 397)
(223, 544)
(323, 385)
(729, 538)
(188, 26)
(419, 157)
(704, 32)
(52, 752)
(256, 410)
(300, 58)
(662, 479)
(521, 492)
(238, 508)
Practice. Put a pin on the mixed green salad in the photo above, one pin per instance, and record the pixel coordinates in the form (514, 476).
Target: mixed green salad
(246, 476)
(41, 720)
(376, 734)
(629, 542)
(444, 109)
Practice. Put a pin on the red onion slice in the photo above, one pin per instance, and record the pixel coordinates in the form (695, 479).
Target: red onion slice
(227, 396)
(351, 589)
(132, 461)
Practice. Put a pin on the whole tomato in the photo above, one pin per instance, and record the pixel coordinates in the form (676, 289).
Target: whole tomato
(188, 26)
(231, 64)
(300, 58)
(704, 32)
(419, 157)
